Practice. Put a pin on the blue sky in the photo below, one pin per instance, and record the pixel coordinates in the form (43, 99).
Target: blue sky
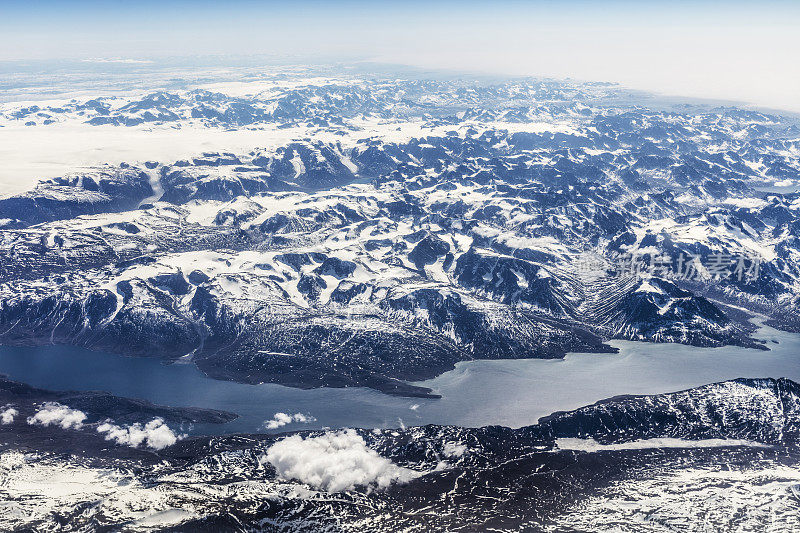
(737, 50)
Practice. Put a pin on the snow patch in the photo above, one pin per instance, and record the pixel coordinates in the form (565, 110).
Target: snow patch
(591, 445)
(647, 287)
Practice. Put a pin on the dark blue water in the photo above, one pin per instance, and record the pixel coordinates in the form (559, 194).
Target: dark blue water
(69, 368)
(512, 392)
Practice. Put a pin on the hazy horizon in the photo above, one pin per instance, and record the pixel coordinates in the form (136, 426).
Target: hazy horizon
(718, 50)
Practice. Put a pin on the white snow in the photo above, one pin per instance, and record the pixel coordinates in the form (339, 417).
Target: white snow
(36, 489)
(591, 445)
(717, 497)
(645, 286)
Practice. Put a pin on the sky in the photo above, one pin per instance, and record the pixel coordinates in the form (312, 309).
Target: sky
(744, 51)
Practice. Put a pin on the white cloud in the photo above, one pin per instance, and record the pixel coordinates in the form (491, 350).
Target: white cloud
(7, 415)
(282, 419)
(52, 413)
(335, 461)
(451, 449)
(155, 434)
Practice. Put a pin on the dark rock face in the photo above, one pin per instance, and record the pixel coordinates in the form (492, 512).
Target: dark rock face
(760, 410)
(330, 351)
(660, 310)
(333, 266)
(427, 251)
(63, 198)
(197, 277)
(510, 280)
(174, 283)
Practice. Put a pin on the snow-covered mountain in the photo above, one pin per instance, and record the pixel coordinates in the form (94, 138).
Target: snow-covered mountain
(343, 229)
(485, 220)
(731, 444)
